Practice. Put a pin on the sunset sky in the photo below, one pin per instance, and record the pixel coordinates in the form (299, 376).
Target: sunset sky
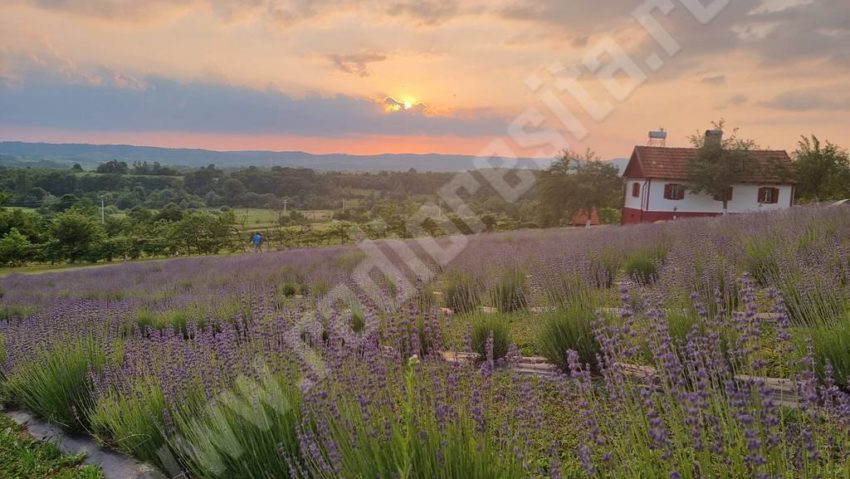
(397, 76)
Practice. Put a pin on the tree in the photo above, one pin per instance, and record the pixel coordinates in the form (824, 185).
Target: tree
(113, 167)
(489, 221)
(77, 168)
(74, 237)
(170, 213)
(720, 162)
(15, 248)
(66, 202)
(577, 182)
(822, 171)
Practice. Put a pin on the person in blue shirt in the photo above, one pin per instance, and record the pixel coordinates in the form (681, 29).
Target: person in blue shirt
(257, 239)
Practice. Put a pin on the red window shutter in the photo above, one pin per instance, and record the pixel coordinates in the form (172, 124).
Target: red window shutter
(768, 195)
(674, 191)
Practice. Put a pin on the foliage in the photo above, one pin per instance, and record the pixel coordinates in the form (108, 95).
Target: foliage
(642, 265)
(15, 248)
(490, 336)
(113, 167)
(461, 292)
(132, 423)
(75, 237)
(23, 457)
(831, 345)
(510, 291)
(577, 182)
(250, 431)
(720, 164)
(568, 328)
(822, 171)
(57, 386)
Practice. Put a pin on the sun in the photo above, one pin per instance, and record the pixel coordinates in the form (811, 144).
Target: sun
(409, 102)
(401, 103)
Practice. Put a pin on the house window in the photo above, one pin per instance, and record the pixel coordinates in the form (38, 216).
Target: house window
(674, 191)
(768, 194)
(636, 190)
(725, 196)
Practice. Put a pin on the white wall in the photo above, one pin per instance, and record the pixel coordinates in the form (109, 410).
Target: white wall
(632, 202)
(744, 199)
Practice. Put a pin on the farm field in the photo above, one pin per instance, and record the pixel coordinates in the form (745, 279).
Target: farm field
(669, 341)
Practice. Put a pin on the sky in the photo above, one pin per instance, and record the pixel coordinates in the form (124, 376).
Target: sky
(514, 77)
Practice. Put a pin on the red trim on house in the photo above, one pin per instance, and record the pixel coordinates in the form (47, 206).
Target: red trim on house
(632, 216)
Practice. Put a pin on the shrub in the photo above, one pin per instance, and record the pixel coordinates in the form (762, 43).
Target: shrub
(415, 443)
(483, 328)
(461, 292)
(133, 423)
(833, 344)
(14, 311)
(761, 261)
(289, 289)
(248, 432)
(319, 289)
(571, 327)
(680, 323)
(642, 266)
(604, 269)
(57, 385)
(569, 290)
(510, 293)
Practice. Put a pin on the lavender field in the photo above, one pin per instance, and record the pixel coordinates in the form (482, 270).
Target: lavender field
(699, 348)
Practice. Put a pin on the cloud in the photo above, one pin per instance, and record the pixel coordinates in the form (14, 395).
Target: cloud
(714, 80)
(738, 100)
(807, 101)
(427, 12)
(156, 104)
(357, 63)
(284, 12)
(114, 9)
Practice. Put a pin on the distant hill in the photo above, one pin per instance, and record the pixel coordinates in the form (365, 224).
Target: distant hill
(18, 154)
(13, 153)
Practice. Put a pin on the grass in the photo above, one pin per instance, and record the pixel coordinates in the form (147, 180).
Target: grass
(488, 326)
(57, 385)
(248, 432)
(462, 292)
(132, 424)
(21, 456)
(510, 293)
(568, 328)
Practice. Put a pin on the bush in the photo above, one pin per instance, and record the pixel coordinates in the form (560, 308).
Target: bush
(461, 292)
(510, 293)
(132, 423)
(833, 344)
(483, 328)
(568, 328)
(761, 261)
(289, 289)
(248, 432)
(57, 385)
(604, 269)
(570, 289)
(642, 266)
(680, 323)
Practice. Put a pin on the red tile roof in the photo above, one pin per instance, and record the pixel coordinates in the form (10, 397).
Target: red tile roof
(672, 164)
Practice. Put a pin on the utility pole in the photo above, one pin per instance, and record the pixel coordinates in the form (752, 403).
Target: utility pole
(284, 206)
(102, 214)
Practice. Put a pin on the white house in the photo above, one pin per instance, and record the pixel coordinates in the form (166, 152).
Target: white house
(656, 186)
